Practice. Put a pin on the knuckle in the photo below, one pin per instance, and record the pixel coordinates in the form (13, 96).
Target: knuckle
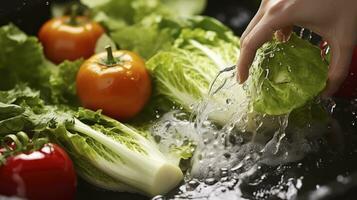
(280, 6)
(247, 44)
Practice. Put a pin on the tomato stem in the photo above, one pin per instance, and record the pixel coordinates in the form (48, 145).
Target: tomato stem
(110, 57)
(20, 142)
(73, 17)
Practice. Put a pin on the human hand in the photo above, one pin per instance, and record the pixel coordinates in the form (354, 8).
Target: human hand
(334, 20)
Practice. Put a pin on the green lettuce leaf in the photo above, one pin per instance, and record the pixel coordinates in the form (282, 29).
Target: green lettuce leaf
(183, 73)
(63, 83)
(145, 38)
(157, 33)
(21, 59)
(285, 76)
(106, 152)
(117, 14)
(186, 7)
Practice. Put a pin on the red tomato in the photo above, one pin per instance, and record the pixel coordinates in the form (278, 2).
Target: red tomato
(63, 40)
(349, 86)
(120, 87)
(44, 174)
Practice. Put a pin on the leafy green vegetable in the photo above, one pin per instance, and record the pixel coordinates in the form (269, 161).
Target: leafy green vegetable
(106, 152)
(21, 59)
(286, 76)
(183, 73)
(186, 7)
(63, 83)
(145, 27)
(117, 14)
(156, 33)
(146, 39)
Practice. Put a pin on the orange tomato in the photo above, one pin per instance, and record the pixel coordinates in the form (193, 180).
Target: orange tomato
(118, 83)
(64, 39)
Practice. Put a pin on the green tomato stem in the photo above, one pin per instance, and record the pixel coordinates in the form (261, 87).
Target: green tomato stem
(22, 144)
(73, 17)
(110, 57)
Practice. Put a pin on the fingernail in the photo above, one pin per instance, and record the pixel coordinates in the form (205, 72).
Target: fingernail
(238, 78)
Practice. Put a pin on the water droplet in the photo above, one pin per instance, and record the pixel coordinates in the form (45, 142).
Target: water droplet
(237, 168)
(224, 171)
(158, 197)
(342, 179)
(157, 138)
(192, 184)
(301, 33)
(210, 181)
(227, 155)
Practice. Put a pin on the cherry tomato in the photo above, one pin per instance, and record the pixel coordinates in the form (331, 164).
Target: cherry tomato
(68, 38)
(117, 83)
(42, 174)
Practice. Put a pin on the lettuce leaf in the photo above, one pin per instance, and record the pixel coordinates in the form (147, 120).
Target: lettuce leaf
(114, 12)
(21, 59)
(107, 153)
(63, 83)
(285, 76)
(183, 73)
(186, 7)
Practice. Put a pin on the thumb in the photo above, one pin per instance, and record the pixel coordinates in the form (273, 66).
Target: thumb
(339, 67)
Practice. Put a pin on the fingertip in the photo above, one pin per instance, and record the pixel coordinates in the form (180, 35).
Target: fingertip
(242, 78)
(242, 74)
(326, 93)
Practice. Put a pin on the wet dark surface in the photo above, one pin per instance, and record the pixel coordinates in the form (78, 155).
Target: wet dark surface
(333, 167)
(328, 173)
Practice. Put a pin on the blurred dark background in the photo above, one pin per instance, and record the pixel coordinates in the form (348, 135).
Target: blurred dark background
(29, 15)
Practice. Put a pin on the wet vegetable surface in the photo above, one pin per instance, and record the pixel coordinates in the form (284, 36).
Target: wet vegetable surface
(324, 174)
(327, 173)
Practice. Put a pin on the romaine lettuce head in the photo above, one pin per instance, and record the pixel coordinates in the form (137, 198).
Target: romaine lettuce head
(285, 76)
(105, 152)
(183, 73)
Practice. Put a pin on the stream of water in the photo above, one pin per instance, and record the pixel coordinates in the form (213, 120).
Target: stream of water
(241, 154)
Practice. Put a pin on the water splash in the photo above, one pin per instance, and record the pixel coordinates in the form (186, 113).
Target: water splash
(236, 149)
